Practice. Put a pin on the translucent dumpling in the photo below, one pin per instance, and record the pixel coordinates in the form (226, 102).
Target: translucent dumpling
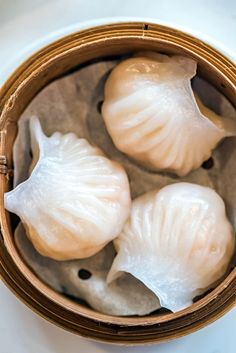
(152, 115)
(124, 297)
(177, 241)
(75, 201)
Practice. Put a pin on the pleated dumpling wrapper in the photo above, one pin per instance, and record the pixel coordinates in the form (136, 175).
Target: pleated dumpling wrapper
(177, 241)
(152, 115)
(124, 297)
(75, 201)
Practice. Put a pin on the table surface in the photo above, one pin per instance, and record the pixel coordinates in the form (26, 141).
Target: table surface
(25, 25)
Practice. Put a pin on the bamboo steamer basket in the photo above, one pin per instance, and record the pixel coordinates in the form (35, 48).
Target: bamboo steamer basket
(40, 69)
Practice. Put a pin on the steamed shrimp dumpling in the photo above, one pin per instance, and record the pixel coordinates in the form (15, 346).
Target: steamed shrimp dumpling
(152, 115)
(75, 201)
(177, 241)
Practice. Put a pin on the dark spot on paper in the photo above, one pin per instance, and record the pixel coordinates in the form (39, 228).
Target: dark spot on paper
(84, 274)
(63, 289)
(208, 164)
